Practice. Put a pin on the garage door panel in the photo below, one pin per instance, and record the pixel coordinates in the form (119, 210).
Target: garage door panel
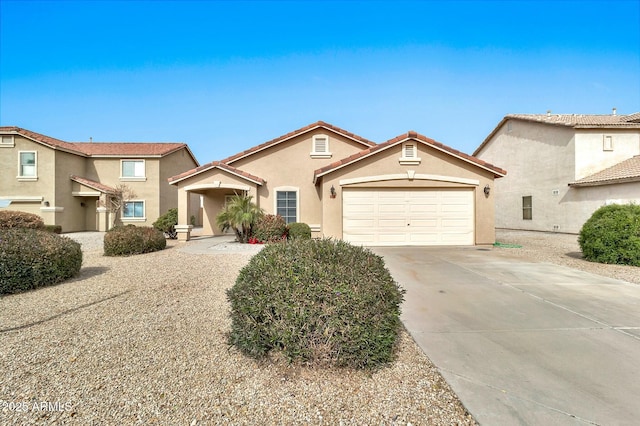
(409, 217)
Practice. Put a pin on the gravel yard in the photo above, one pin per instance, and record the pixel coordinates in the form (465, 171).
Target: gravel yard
(141, 340)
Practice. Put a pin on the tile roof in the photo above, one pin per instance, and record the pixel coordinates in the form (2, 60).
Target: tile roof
(219, 165)
(93, 184)
(582, 120)
(43, 139)
(498, 172)
(128, 148)
(87, 149)
(625, 171)
(576, 121)
(295, 133)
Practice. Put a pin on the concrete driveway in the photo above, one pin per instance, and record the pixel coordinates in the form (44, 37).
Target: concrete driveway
(524, 343)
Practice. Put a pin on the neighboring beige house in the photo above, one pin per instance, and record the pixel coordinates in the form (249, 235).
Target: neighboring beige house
(69, 184)
(410, 190)
(562, 167)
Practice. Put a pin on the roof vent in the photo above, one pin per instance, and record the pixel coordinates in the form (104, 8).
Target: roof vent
(614, 111)
(548, 113)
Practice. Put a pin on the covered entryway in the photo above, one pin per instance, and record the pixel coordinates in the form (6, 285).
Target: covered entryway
(391, 217)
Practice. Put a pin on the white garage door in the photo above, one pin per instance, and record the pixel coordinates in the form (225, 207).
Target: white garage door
(408, 217)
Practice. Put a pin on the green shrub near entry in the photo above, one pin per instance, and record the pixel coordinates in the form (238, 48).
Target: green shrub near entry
(612, 235)
(56, 229)
(130, 239)
(270, 228)
(15, 219)
(299, 230)
(321, 302)
(32, 258)
(167, 223)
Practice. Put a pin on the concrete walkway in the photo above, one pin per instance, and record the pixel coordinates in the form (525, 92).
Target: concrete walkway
(217, 245)
(524, 343)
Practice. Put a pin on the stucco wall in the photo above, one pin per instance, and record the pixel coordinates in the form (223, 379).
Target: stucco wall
(541, 161)
(433, 162)
(289, 165)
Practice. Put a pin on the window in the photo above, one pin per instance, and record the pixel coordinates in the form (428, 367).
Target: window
(527, 208)
(320, 148)
(133, 169)
(409, 154)
(7, 141)
(133, 210)
(28, 165)
(607, 143)
(287, 205)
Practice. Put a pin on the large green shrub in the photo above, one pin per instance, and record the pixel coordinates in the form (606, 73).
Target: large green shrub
(322, 302)
(612, 235)
(239, 214)
(167, 223)
(129, 240)
(299, 230)
(31, 258)
(15, 219)
(270, 228)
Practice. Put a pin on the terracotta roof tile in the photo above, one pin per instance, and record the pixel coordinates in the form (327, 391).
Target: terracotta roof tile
(120, 149)
(625, 171)
(93, 184)
(46, 140)
(409, 135)
(582, 120)
(128, 148)
(219, 165)
(295, 133)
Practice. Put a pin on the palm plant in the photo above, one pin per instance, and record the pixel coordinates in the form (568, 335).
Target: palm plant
(239, 214)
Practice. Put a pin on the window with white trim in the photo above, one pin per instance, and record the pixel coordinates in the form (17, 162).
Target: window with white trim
(133, 169)
(607, 143)
(287, 205)
(28, 165)
(6, 141)
(133, 210)
(409, 154)
(320, 147)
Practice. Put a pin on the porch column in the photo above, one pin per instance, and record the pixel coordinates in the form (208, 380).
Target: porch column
(183, 228)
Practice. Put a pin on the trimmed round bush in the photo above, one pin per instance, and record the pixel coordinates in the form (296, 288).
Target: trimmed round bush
(129, 240)
(299, 230)
(32, 258)
(15, 219)
(319, 302)
(612, 235)
(270, 228)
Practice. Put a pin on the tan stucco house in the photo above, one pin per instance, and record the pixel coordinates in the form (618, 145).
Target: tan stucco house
(562, 167)
(410, 190)
(69, 184)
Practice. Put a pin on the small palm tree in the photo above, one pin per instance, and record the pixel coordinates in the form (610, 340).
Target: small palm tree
(239, 214)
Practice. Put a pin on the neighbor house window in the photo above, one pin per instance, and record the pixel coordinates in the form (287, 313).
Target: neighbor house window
(287, 205)
(607, 143)
(320, 148)
(409, 154)
(28, 165)
(133, 210)
(7, 141)
(527, 208)
(133, 169)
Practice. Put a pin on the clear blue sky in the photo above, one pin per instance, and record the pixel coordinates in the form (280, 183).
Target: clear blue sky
(225, 76)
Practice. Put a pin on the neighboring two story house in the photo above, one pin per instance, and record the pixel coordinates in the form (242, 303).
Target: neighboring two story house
(562, 167)
(69, 184)
(410, 190)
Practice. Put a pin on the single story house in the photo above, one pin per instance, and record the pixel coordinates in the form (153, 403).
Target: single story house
(410, 190)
